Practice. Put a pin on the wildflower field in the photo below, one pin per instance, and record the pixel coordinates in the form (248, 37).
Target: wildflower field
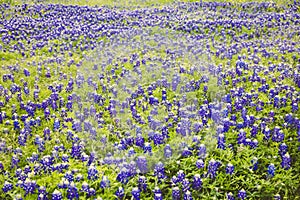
(145, 99)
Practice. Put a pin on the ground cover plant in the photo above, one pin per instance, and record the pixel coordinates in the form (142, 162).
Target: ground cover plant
(166, 100)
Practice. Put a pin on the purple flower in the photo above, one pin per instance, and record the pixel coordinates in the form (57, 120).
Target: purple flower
(7, 187)
(202, 151)
(197, 182)
(271, 170)
(105, 183)
(148, 148)
(283, 149)
(254, 162)
(286, 161)
(241, 137)
(142, 182)
(167, 151)
(142, 164)
(157, 190)
(29, 186)
(267, 133)
(175, 193)
(158, 196)
(229, 169)
(72, 192)
(123, 175)
(185, 185)
(120, 193)
(91, 192)
(92, 173)
(14, 161)
(229, 196)
(56, 195)
(136, 193)
(186, 152)
(212, 168)
(242, 194)
(139, 140)
(180, 175)
(221, 141)
(159, 170)
(85, 187)
(200, 164)
(187, 196)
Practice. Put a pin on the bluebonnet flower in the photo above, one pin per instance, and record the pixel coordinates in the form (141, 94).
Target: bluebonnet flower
(242, 194)
(14, 161)
(85, 187)
(92, 173)
(65, 158)
(47, 134)
(278, 136)
(267, 133)
(158, 196)
(185, 184)
(120, 193)
(56, 124)
(56, 195)
(180, 175)
(69, 176)
(139, 140)
(29, 186)
(72, 192)
(229, 169)
(221, 141)
(148, 148)
(286, 161)
(91, 192)
(16, 125)
(271, 170)
(76, 150)
(123, 175)
(142, 183)
(105, 183)
(175, 193)
(253, 144)
(212, 168)
(277, 197)
(186, 152)
(158, 139)
(200, 164)
(241, 137)
(197, 182)
(187, 196)
(42, 193)
(283, 149)
(174, 180)
(157, 190)
(136, 193)
(295, 107)
(202, 151)
(7, 187)
(167, 151)
(142, 164)
(159, 170)
(229, 196)
(131, 152)
(254, 130)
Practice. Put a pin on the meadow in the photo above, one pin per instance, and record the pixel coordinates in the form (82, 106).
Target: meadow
(145, 99)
